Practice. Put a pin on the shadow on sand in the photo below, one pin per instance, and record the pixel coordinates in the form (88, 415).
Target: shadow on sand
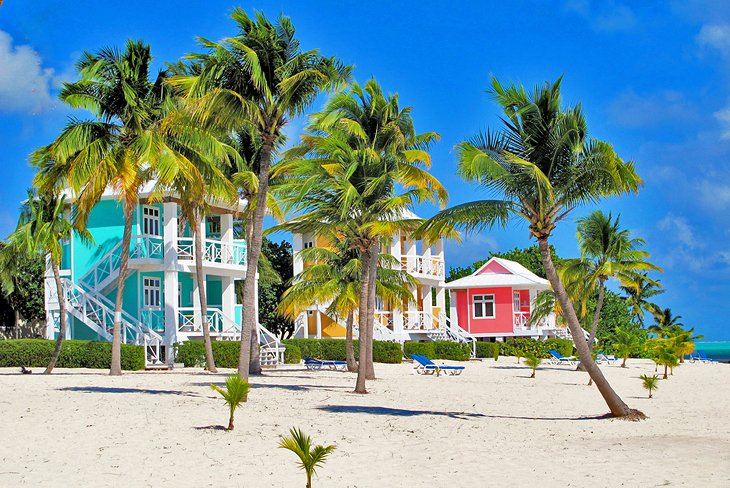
(211, 427)
(400, 412)
(107, 389)
(298, 387)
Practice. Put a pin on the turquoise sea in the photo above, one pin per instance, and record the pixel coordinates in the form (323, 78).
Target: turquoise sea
(719, 350)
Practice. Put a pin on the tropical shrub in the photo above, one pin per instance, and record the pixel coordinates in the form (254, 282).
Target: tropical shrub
(334, 349)
(422, 348)
(650, 383)
(487, 349)
(74, 354)
(454, 351)
(235, 394)
(293, 354)
(532, 362)
(310, 458)
(524, 346)
(192, 353)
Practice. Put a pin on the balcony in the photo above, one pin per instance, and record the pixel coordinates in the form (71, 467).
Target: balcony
(521, 323)
(419, 321)
(423, 267)
(215, 252)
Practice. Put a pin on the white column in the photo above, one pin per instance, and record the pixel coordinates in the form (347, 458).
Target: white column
(453, 315)
(318, 318)
(306, 324)
(228, 300)
(297, 245)
(395, 251)
(438, 248)
(170, 293)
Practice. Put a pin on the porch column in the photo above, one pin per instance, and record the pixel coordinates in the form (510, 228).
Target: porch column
(318, 318)
(170, 286)
(297, 245)
(229, 297)
(453, 315)
(305, 320)
(197, 309)
(438, 254)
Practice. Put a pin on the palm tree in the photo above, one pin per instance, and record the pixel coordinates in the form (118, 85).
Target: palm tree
(42, 229)
(332, 278)
(607, 251)
(310, 458)
(663, 353)
(650, 383)
(235, 394)
(684, 342)
(638, 294)
(258, 79)
(666, 324)
(543, 165)
(358, 152)
(626, 341)
(122, 148)
(533, 362)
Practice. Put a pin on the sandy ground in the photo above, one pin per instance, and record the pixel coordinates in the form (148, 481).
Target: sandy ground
(492, 426)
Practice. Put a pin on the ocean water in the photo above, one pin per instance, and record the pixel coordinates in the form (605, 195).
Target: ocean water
(719, 350)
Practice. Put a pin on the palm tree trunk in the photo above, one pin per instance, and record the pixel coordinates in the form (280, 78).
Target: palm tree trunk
(665, 372)
(363, 322)
(615, 404)
(349, 350)
(202, 294)
(254, 364)
(596, 315)
(249, 321)
(230, 422)
(623, 363)
(373, 270)
(116, 365)
(62, 311)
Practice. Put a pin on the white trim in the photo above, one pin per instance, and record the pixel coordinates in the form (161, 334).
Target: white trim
(148, 284)
(484, 301)
(151, 214)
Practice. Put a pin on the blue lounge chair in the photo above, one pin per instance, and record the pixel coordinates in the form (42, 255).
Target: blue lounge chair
(557, 358)
(702, 357)
(426, 366)
(317, 364)
(694, 357)
(602, 357)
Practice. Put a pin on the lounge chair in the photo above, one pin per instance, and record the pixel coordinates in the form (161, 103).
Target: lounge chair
(602, 357)
(694, 357)
(557, 358)
(426, 366)
(317, 364)
(702, 357)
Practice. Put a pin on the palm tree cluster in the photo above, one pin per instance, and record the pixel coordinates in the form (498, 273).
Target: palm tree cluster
(671, 341)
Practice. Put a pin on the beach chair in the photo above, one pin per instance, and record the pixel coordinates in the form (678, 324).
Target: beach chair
(602, 357)
(557, 358)
(703, 358)
(426, 366)
(694, 357)
(317, 364)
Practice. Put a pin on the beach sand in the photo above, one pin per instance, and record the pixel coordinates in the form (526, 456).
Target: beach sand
(491, 426)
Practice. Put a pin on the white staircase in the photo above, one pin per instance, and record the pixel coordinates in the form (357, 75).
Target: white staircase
(97, 312)
(453, 332)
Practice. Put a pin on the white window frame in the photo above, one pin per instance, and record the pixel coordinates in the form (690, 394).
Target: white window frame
(308, 244)
(151, 221)
(482, 299)
(151, 293)
(516, 304)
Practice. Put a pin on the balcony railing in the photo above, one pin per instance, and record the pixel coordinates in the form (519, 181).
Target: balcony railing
(521, 322)
(419, 321)
(219, 252)
(423, 265)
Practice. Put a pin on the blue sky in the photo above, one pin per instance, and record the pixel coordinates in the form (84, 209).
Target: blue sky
(653, 78)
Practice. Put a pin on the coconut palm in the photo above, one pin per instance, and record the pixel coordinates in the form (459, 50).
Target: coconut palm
(345, 177)
(258, 79)
(663, 353)
(122, 148)
(42, 230)
(684, 342)
(540, 167)
(332, 278)
(666, 324)
(533, 362)
(650, 383)
(607, 251)
(638, 295)
(627, 340)
(235, 394)
(310, 458)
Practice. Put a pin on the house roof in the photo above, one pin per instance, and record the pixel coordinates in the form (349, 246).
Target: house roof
(498, 272)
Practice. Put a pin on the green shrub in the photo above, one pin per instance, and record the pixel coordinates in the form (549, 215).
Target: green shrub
(526, 346)
(422, 348)
(192, 353)
(293, 354)
(74, 354)
(487, 349)
(563, 346)
(334, 349)
(455, 351)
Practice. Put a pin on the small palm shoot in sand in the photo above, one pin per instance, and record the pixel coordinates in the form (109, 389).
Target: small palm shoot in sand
(310, 458)
(235, 394)
(650, 383)
(533, 362)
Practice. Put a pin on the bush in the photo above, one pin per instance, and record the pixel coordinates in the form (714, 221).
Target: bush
(293, 354)
(563, 346)
(334, 349)
(537, 348)
(455, 351)
(37, 353)
(192, 353)
(487, 349)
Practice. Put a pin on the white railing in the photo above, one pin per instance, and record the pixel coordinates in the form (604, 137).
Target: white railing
(419, 321)
(215, 251)
(385, 319)
(153, 319)
(380, 332)
(106, 269)
(423, 265)
(457, 334)
(97, 312)
(521, 320)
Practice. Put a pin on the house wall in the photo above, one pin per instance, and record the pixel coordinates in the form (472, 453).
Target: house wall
(503, 320)
(106, 226)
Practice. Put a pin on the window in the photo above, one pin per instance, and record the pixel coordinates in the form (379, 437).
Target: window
(150, 221)
(516, 301)
(483, 306)
(308, 244)
(151, 291)
(214, 226)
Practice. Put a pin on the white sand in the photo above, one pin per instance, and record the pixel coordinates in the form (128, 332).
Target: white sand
(492, 426)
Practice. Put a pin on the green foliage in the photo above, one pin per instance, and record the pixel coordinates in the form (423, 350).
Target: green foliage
(529, 257)
(526, 346)
(616, 312)
(628, 341)
(650, 383)
(334, 349)
(236, 392)
(192, 353)
(74, 354)
(310, 458)
(454, 351)
(532, 362)
(293, 354)
(27, 275)
(279, 258)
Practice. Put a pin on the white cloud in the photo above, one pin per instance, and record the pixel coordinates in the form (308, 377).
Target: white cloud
(473, 247)
(723, 116)
(631, 109)
(714, 192)
(25, 85)
(678, 228)
(603, 15)
(715, 36)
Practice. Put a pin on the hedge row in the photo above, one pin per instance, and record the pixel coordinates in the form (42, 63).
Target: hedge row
(36, 353)
(455, 351)
(192, 353)
(334, 349)
(525, 345)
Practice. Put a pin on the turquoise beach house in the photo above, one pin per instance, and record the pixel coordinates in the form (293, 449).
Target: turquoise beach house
(161, 305)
